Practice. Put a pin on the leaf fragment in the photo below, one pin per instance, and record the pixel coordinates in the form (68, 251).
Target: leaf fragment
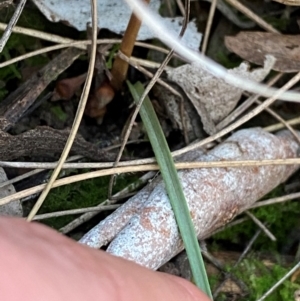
(212, 97)
(254, 46)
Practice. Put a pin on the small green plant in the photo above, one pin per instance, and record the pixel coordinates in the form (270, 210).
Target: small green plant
(112, 52)
(59, 113)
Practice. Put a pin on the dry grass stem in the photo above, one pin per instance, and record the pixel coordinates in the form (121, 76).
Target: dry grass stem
(277, 200)
(140, 165)
(276, 285)
(172, 41)
(289, 2)
(251, 15)
(78, 117)
(80, 43)
(147, 167)
(40, 35)
(245, 105)
(13, 20)
(208, 25)
(181, 7)
(279, 126)
(261, 225)
(75, 211)
(242, 120)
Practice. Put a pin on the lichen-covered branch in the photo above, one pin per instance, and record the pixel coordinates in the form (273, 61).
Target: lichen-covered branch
(145, 229)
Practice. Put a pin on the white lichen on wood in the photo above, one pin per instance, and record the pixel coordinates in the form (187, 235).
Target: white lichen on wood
(144, 229)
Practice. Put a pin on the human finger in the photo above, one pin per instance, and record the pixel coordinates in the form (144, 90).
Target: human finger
(38, 263)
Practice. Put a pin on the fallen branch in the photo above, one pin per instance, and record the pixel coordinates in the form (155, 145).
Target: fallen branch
(144, 229)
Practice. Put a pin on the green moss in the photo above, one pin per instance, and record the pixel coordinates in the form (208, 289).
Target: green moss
(79, 195)
(260, 278)
(275, 216)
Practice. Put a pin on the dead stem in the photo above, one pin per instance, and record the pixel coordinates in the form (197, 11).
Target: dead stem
(120, 67)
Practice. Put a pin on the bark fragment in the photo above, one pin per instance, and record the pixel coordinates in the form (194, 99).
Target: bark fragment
(254, 46)
(47, 142)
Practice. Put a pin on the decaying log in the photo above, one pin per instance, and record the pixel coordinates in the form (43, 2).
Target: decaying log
(144, 229)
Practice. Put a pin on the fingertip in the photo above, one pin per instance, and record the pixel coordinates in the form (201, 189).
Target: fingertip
(93, 272)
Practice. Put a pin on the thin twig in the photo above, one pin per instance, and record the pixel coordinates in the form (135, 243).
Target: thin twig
(170, 39)
(245, 105)
(261, 225)
(97, 209)
(9, 28)
(147, 167)
(275, 286)
(277, 200)
(222, 267)
(279, 126)
(251, 15)
(78, 117)
(212, 11)
(242, 120)
(280, 119)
